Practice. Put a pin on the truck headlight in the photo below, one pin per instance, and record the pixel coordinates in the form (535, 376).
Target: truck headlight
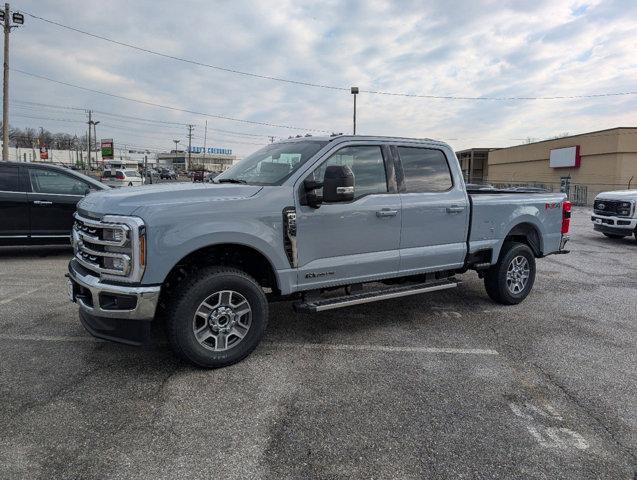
(115, 263)
(114, 234)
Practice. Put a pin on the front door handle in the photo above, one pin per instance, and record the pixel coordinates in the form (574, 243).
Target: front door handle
(42, 202)
(386, 212)
(455, 209)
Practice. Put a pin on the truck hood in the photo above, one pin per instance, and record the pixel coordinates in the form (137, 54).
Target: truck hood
(618, 195)
(125, 201)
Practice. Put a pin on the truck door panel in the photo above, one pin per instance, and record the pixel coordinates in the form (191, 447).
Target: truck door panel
(351, 241)
(435, 212)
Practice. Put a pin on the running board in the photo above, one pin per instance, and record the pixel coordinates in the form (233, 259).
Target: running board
(321, 305)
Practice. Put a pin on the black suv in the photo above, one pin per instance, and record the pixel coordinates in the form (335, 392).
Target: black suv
(37, 202)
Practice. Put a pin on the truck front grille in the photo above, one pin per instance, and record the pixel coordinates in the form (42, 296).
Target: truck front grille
(612, 208)
(104, 248)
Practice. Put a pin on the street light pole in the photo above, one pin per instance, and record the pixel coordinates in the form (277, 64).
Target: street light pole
(176, 150)
(354, 91)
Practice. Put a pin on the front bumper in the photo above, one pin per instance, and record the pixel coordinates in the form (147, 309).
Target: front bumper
(614, 225)
(113, 312)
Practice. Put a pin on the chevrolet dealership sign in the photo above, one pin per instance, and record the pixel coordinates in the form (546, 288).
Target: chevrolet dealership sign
(211, 150)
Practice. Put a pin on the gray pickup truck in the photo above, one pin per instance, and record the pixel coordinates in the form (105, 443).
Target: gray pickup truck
(325, 222)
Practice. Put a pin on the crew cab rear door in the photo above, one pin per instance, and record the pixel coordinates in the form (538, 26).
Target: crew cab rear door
(353, 241)
(435, 208)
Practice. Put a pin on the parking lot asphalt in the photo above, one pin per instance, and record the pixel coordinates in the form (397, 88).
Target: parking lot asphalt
(444, 385)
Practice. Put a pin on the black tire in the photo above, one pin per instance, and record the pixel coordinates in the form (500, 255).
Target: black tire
(613, 235)
(495, 280)
(182, 306)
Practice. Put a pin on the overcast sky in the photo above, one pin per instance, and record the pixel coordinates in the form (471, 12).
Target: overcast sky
(441, 47)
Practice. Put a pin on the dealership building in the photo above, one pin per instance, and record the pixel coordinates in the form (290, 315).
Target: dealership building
(579, 165)
(211, 159)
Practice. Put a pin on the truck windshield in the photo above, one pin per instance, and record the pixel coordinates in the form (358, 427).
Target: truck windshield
(273, 164)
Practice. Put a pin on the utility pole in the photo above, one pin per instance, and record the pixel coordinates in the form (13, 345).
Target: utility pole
(354, 91)
(205, 137)
(190, 127)
(89, 138)
(18, 19)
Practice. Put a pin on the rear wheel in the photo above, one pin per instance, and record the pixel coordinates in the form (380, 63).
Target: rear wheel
(511, 279)
(217, 318)
(613, 235)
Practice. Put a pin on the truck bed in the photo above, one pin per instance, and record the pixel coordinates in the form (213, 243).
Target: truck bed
(494, 214)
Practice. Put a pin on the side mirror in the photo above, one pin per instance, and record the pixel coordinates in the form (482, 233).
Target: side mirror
(311, 198)
(87, 191)
(338, 184)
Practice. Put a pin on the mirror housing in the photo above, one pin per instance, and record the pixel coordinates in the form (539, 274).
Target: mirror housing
(338, 184)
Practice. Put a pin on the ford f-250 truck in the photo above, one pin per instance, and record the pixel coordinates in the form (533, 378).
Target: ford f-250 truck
(615, 213)
(327, 222)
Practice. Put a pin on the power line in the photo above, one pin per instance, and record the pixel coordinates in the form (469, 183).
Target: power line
(318, 85)
(167, 107)
(33, 105)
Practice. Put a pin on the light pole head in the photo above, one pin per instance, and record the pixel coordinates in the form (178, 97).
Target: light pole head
(354, 90)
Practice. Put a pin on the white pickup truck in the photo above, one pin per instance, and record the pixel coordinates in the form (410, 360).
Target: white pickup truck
(615, 213)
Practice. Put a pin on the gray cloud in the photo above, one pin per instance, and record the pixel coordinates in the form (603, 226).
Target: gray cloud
(465, 48)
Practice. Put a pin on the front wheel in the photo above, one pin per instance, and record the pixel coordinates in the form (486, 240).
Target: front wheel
(511, 279)
(218, 317)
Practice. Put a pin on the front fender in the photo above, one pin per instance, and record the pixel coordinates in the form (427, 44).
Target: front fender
(169, 244)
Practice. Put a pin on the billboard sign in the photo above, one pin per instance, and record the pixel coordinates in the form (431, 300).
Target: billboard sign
(44, 153)
(107, 149)
(211, 150)
(565, 157)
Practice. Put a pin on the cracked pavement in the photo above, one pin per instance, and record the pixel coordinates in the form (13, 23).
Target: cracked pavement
(337, 394)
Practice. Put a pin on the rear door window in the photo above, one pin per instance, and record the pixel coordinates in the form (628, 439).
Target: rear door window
(9, 179)
(425, 170)
(51, 181)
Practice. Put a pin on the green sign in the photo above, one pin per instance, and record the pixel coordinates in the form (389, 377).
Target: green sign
(107, 149)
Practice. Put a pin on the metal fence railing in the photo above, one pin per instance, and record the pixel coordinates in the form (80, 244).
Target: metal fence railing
(578, 193)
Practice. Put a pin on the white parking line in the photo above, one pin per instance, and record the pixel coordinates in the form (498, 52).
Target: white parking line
(23, 294)
(385, 348)
(307, 346)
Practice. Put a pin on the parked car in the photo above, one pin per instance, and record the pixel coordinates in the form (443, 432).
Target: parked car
(167, 174)
(37, 202)
(122, 178)
(293, 221)
(198, 176)
(615, 213)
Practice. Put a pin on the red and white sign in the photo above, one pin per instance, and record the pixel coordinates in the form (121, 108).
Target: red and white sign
(44, 153)
(565, 157)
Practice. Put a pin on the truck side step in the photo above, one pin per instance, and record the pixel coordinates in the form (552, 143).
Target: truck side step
(319, 305)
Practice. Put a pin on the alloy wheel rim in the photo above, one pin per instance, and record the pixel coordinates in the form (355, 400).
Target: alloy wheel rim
(518, 273)
(222, 320)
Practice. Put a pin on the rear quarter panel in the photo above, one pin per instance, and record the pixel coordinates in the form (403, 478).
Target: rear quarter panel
(495, 215)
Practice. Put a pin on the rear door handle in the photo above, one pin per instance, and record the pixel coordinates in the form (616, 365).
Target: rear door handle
(455, 209)
(386, 212)
(42, 202)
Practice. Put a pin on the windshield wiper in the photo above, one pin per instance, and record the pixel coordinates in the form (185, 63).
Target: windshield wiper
(231, 180)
